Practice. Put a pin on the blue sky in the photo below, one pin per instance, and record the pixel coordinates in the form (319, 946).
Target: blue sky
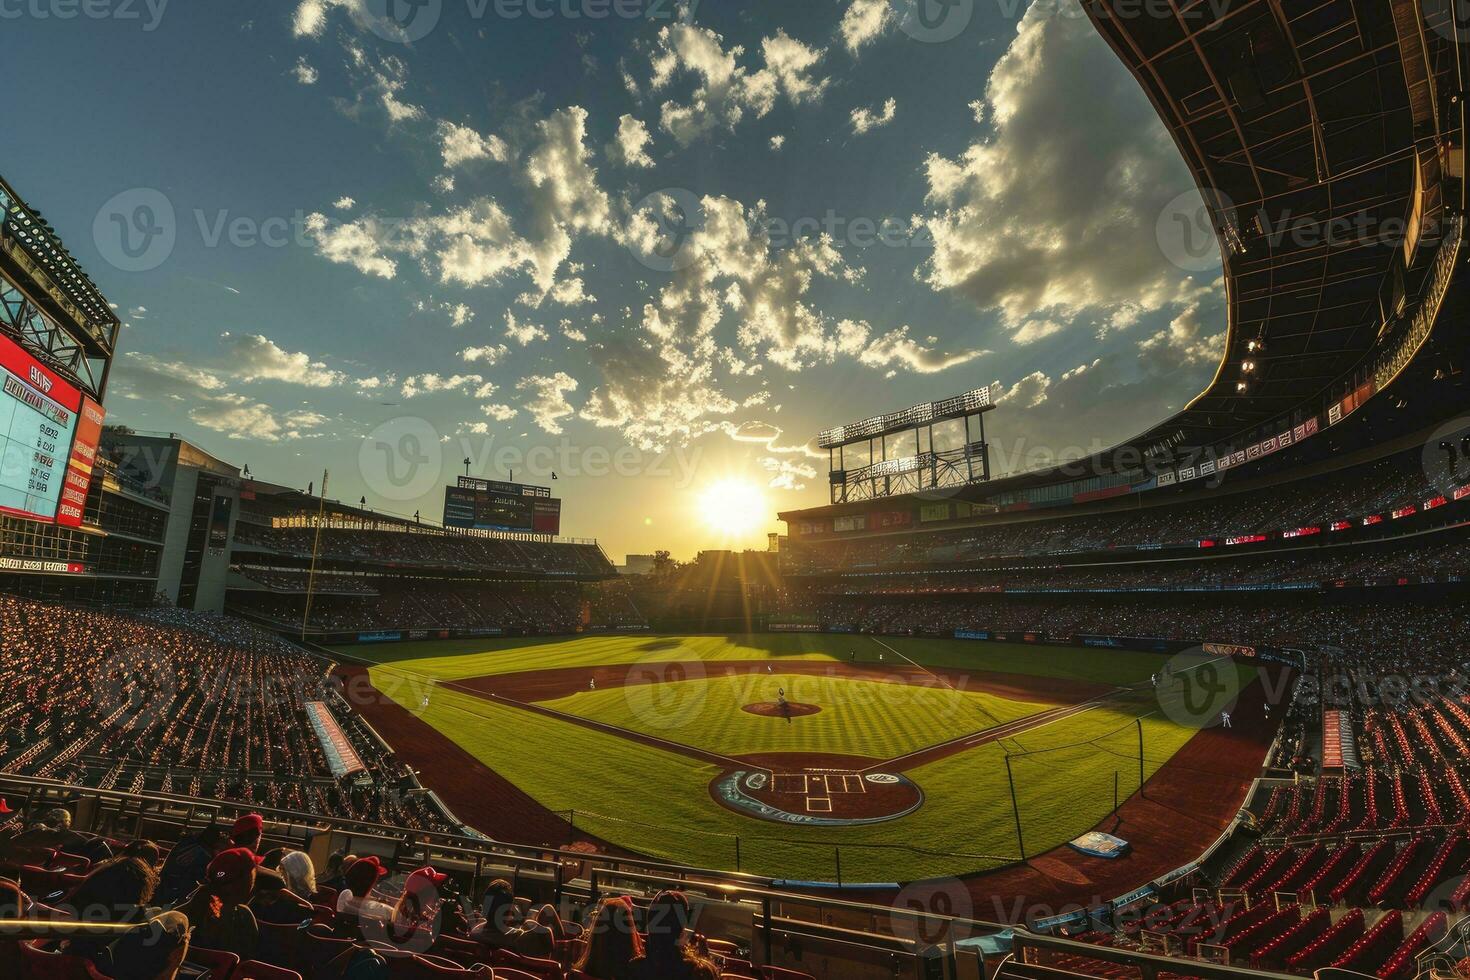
(651, 252)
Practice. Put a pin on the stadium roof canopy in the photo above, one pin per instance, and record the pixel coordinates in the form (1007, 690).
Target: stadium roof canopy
(1323, 137)
(1314, 132)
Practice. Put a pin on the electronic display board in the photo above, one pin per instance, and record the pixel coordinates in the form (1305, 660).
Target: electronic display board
(486, 506)
(38, 422)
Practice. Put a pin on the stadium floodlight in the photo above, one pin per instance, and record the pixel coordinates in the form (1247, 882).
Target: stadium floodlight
(970, 403)
(884, 474)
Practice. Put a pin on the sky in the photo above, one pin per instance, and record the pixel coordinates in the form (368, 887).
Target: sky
(650, 247)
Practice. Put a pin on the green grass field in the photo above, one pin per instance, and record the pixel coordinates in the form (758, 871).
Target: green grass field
(657, 802)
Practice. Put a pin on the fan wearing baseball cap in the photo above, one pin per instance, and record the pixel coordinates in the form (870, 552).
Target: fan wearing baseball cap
(248, 832)
(355, 904)
(217, 910)
(416, 916)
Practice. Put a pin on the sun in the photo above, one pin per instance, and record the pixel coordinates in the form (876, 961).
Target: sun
(734, 507)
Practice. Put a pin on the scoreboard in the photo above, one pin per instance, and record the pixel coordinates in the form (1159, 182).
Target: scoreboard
(48, 440)
(487, 505)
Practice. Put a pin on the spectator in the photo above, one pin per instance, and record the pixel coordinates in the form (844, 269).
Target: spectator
(300, 875)
(337, 864)
(144, 850)
(666, 956)
(613, 942)
(355, 904)
(155, 953)
(506, 926)
(218, 910)
(416, 920)
(187, 862)
(248, 832)
(277, 904)
(115, 892)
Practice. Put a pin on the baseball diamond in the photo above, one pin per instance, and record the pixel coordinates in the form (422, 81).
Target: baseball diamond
(895, 749)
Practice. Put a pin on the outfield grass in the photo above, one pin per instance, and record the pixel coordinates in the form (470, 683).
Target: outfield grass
(873, 719)
(657, 802)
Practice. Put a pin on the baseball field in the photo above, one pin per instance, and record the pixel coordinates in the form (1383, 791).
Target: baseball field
(798, 756)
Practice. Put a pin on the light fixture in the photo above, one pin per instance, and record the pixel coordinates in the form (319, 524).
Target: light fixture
(1248, 366)
(1241, 386)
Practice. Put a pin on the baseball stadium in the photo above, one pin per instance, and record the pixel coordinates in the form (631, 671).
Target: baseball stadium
(295, 694)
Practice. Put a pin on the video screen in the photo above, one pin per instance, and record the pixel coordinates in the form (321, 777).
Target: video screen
(38, 421)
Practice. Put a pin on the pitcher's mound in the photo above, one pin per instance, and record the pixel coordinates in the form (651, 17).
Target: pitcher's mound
(774, 709)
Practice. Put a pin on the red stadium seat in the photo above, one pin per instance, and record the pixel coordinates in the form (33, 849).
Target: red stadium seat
(545, 969)
(282, 945)
(44, 964)
(221, 965)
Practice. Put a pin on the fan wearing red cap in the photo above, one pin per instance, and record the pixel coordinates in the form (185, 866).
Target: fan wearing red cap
(355, 903)
(218, 910)
(415, 923)
(248, 832)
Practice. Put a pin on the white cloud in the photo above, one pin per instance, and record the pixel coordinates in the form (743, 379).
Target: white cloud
(431, 384)
(310, 18)
(896, 347)
(488, 355)
(787, 474)
(500, 413)
(1029, 392)
(865, 120)
(863, 21)
(724, 89)
(631, 146)
(1013, 228)
(253, 357)
(152, 372)
(359, 244)
(241, 418)
(344, 204)
(524, 334)
(565, 198)
(769, 435)
(1184, 341)
(477, 243)
(546, 399)
(141, 376)
(304, 73)
(1033, 330)
(655, 402)
(778, 142)
(376, 384)
(459, 145)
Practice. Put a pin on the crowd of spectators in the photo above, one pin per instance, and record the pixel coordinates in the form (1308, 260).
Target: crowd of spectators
(429, 604)
(1423, 559)
(1352, 495)
(178, 702)
(227, 898)
(324, 582)
(407, 546)
(1389, 628)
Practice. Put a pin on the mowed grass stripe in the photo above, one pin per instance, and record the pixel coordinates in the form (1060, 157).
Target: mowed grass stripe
(458, 659)
(872, 719)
